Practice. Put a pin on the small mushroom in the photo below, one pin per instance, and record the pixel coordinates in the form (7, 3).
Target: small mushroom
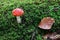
(46, 23)
(18, 12)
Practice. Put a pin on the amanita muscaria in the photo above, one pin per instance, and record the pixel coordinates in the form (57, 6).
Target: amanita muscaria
(18, 12)
(46, 23)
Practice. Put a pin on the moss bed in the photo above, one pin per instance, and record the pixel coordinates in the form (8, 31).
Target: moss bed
(33, 13)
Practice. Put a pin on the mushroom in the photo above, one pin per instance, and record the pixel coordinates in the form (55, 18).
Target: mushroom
(46, 23)
(18, 12)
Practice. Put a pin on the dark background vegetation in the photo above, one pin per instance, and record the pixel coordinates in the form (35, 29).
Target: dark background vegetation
(34, 11)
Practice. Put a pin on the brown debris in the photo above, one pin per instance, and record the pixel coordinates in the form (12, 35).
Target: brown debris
(51, 36)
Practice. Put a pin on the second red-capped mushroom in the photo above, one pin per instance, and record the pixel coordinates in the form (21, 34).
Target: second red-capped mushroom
(18, 12)
(46, 23)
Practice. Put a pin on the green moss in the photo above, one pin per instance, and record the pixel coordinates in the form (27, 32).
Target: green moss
(33, 13)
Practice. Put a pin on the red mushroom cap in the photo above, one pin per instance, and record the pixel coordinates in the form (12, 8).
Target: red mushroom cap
(17, 12)
(46, 23)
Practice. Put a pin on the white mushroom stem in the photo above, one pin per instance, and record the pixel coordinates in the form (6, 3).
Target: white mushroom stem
(18, 19)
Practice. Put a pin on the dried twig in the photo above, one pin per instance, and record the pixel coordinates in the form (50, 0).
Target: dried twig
(33, 35)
